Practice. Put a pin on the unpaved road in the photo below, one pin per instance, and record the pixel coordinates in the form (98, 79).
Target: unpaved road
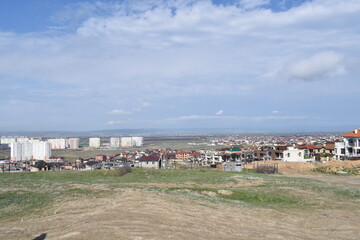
(142, 214)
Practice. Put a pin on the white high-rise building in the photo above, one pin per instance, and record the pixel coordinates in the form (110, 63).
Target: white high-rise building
(41, 150)
(37, 150)
(57, 143)
(131, 141)
(94, 142)
(114, 142)
(73, 143)
(27, 150)
(23, 139)
(126, 142)
(16, 151)
(137, 141)
(7, 140)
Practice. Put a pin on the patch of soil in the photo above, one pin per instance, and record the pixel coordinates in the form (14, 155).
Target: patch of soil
(141, 214)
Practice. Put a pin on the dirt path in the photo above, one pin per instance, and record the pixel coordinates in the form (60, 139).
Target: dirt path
(141, 214)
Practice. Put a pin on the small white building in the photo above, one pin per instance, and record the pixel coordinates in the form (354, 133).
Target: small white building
(151, 161)
(339, 150)
(297, 155)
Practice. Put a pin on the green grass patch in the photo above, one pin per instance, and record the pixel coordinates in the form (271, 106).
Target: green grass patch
(13, 204)
(23, 193)
(348, 193)
(261, 198)
(250, 195)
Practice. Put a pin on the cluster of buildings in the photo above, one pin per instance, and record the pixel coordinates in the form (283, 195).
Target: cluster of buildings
(30, 150)
(117, 142)
(62, 143)
(24, 148)
(288, 149)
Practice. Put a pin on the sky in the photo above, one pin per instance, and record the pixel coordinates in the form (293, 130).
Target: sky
(251, 65)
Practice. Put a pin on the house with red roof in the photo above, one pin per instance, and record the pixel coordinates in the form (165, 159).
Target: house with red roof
(183, 155)
(352, 144)
(150, 161)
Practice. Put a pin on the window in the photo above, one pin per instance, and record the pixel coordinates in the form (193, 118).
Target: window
(343, 151)
(288, 155)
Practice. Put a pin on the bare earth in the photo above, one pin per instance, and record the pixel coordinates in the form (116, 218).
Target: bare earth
(132, 213)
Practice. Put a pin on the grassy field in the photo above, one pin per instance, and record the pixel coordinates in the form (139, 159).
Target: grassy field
(32, 193)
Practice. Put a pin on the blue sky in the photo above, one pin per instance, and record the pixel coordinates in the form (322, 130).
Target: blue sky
(266, 65)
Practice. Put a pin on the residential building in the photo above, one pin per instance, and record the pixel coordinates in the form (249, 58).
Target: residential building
(22, 139)
(151, 161)
(137, 141)
(297, 155)
(57, 143)
(114, 142)
(94, 142)
(7, 140)
(73, 143)
(132, 141)
(183, 155)
(352, 144)
(41, 150)
(126, 142)
(38, 150)
(339, 150)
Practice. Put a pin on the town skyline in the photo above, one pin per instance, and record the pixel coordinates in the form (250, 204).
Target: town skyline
(263, 65)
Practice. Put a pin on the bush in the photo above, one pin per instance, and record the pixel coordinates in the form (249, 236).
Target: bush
(123, 170)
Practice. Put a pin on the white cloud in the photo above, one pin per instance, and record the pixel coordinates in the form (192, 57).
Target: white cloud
(201, 42)
(146, 104)
(164, 51)
(119, 112)
(256, 118)
(220, 112)
(275, 112)
(317, 67)
(115, 122)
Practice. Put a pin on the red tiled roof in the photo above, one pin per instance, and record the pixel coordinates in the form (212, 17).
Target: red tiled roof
(182, 152)
(149, 158)
(355, 133)
(307, 147)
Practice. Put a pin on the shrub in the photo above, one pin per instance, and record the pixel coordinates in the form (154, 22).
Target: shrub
(123, 170)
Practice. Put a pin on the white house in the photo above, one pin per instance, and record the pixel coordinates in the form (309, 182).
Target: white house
(297, 155)
(339, 150)
(352, 144)
(151, 161)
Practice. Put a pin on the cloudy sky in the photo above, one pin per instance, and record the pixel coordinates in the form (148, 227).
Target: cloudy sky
(269, 65)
